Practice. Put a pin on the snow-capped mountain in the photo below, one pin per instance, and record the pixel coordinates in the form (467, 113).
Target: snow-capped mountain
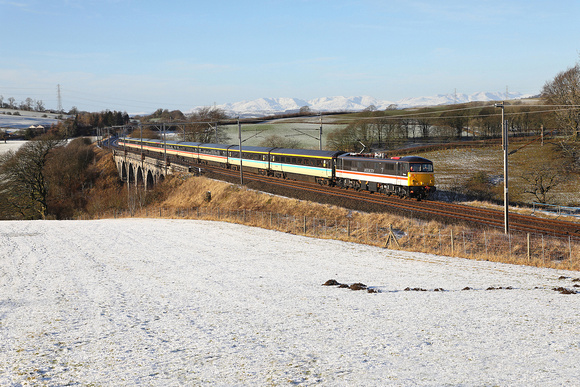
(266, 106)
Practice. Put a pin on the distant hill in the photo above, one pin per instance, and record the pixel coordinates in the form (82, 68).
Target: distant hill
(267, 106)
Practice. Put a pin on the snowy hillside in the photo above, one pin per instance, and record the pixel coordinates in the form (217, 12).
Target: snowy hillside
(25, 119)
(183, 302)
(266, 106)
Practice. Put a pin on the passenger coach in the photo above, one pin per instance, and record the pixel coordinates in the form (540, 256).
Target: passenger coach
(303, 164)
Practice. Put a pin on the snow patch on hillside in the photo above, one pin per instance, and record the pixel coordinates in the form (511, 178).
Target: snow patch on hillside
(268, 106)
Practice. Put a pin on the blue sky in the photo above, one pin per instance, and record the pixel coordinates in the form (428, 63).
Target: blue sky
(137, 56)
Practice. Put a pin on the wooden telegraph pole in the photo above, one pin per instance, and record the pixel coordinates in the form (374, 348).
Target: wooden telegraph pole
(504, 136)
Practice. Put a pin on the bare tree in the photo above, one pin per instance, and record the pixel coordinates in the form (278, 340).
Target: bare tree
(23, 184)
(204, 126)
(540, 182)
(39, 106)
(564, 89)
(351, 137)
(455, 121)
(571, 154)
(425, 125)
(387, 130)
(28, 102)
(489, 122)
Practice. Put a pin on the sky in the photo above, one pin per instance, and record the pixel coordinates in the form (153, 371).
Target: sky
(138, 56)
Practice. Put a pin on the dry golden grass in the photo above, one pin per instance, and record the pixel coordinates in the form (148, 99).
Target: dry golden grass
(186, 196)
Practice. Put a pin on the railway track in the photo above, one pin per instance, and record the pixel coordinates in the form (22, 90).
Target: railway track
(426, 209)
(447, 212)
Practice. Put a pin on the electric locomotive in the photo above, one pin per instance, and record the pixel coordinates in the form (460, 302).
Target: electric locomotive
(409, 176)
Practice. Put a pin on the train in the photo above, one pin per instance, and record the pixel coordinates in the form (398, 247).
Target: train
(407, 176)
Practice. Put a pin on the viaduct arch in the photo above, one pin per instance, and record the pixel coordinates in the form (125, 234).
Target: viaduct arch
(140, 171)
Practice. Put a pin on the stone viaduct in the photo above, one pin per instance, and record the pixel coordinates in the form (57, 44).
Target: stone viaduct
(142, 170)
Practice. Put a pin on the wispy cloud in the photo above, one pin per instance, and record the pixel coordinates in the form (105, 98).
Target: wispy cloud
(17, 4)
(68, 55)
(183, 65)
(301, 62)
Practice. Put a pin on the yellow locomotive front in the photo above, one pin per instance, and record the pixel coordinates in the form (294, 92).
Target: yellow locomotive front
(420, 178)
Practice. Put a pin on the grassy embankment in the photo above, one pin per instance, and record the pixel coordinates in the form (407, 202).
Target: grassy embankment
(187, 197)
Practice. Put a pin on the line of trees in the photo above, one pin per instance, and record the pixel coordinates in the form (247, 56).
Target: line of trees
(28, 104)
(81, 124)
(379, 131)
(203, 125)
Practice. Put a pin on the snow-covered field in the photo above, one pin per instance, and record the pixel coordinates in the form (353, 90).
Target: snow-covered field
(10, 146)
(22, 119)
(184, 302)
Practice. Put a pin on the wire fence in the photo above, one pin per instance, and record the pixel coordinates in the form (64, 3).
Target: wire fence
(519, 248)
(557, 209)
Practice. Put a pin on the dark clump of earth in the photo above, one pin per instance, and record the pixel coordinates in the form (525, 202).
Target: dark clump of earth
(355, 286)
(358, 286)
(564, 290)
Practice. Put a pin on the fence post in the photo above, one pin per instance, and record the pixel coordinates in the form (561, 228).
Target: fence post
(529, 253)
(392, 237)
